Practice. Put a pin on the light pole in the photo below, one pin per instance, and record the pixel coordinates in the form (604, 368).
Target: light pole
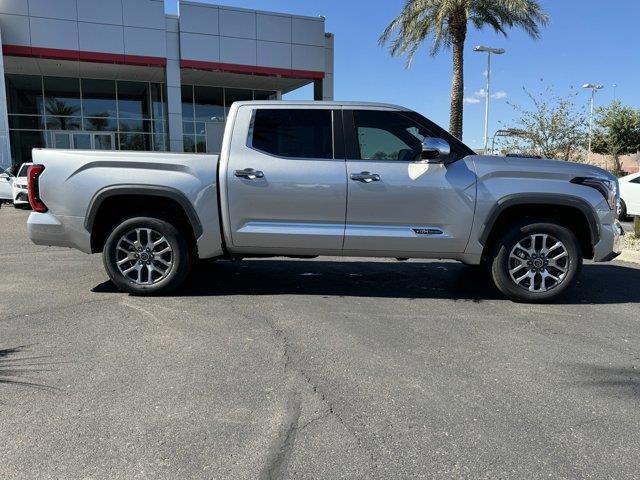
(615, 85)
(489, 51)
(593, 87)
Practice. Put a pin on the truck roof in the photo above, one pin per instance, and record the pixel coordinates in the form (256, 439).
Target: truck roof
(314, 103)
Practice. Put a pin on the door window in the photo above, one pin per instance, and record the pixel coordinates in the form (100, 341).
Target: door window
(383, 135)
(292, 133)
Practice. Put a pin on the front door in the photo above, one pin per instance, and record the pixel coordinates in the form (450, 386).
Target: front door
(397, 204)
(286, 182)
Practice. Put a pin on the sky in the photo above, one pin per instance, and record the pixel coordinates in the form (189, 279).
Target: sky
(584, 42)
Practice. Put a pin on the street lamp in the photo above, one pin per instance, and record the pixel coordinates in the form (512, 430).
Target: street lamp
(489, 51)
(593, 87)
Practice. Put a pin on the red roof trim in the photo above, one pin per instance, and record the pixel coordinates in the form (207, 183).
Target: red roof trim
(250, 69)
(139, 60)
(61, 54)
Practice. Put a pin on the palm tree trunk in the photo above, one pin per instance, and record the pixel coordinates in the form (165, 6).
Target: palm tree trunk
(459, 34)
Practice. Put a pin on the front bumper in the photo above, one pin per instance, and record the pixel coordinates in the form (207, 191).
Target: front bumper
(609, 246)
(51, 230)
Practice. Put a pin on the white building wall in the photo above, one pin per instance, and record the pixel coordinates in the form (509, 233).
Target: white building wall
(216, 34)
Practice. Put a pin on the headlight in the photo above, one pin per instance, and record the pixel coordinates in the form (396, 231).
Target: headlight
(608, 188)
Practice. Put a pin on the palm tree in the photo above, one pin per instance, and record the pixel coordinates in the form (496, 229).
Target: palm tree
(446, 23)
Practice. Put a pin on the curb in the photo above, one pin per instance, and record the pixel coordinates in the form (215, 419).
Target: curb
(632, 256)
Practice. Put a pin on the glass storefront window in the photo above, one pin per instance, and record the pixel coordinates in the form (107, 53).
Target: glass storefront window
(24, 94)
(131, 125)
(101, 124)
(99, 98)
(187, 128)
(187, 102)
(26, 122)
(157, 105)
(63, 123)
(131, 114)
(22, 142)
(201, 144)
(133, 100)
(189, 143)
(135, 141)
(236, 95)
(62, 96)
(159, 143)
(208, 104)
(264, 95)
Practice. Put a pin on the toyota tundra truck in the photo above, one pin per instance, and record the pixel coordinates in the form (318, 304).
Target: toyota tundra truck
(304, 179)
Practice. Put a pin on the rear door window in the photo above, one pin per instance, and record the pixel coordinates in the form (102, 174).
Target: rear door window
(292, 133)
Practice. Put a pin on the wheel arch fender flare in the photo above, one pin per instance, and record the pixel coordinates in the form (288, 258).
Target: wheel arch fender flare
(142, 190)
(550, 199)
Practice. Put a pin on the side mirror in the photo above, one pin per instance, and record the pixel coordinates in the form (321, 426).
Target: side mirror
(435, 150)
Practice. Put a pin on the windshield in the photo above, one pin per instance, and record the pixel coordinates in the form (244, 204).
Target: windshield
(23, 170)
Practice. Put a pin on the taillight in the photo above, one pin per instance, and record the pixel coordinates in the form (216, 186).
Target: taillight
(33, 186)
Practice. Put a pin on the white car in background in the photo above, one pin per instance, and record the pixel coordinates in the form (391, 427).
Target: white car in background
(20, 194)
(6, 186)
(629, 196)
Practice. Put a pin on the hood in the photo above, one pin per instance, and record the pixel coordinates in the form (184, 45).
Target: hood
(560, 168)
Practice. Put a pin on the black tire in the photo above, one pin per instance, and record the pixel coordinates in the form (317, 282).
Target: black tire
(499, 262)
(181, 257)
(622, 212)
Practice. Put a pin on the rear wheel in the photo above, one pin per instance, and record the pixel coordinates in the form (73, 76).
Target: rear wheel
(535, 261)
(147, 256)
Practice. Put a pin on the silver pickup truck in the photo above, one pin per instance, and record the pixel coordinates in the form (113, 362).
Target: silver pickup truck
(302, 179)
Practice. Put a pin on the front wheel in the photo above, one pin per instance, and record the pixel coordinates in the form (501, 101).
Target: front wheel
(147, 256)
(535, 261)
(622, 211)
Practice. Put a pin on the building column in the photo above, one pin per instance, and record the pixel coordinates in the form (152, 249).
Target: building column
(174, 86)
(323, 87)
(327, 84)
(5, 150)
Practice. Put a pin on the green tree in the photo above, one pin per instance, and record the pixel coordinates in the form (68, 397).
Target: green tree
(617, 132)
(553, 127)
(446, 23)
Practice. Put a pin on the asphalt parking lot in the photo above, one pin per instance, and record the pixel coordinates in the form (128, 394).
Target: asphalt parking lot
(312, 369)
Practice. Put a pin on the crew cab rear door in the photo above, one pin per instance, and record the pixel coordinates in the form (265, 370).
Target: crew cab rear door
(398, 205)
(286, 181)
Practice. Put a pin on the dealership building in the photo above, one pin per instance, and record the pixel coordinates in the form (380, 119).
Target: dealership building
(123, 75)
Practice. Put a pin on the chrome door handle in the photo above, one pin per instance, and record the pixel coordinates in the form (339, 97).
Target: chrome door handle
(365, 177)
(249, 174)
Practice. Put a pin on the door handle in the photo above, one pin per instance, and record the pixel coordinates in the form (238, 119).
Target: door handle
(249, 174)
(365, 177)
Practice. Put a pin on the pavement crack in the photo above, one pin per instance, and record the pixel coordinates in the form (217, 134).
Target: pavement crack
(278, 458)
(286, 443)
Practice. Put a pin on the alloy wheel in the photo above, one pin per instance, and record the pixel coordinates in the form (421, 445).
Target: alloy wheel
(539, 262)
(144, 256)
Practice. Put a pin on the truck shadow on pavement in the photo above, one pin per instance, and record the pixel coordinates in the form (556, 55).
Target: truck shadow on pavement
(598, 283)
